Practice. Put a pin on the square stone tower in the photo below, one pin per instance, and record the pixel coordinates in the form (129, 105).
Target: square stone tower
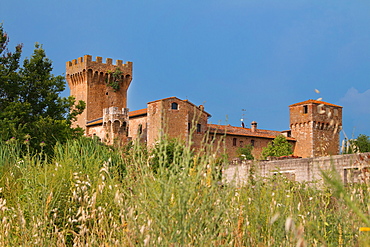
(103, 87)
(100, 85)
(176, 118)
(316, 126)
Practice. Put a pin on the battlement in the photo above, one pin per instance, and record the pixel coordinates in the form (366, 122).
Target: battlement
(86, 62)
(87, 59)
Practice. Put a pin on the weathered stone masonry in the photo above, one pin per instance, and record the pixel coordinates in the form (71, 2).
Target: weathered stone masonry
(352, 168)
(314, 125)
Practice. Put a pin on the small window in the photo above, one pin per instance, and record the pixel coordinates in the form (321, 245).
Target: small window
(199, 128)
(174, 106)
(252, 143)
(189, 126)
(140, 129)
(305, 109)
(234, 142)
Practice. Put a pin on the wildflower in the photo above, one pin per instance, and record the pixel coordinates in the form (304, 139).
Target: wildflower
(42, 144)
(26, 142)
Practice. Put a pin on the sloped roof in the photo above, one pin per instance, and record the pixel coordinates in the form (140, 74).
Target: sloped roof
(187, 101)
(240, 131)
(312, 101)
(138, 113)
(97, 121)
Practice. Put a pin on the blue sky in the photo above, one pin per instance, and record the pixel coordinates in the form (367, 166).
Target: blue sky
(257, 55)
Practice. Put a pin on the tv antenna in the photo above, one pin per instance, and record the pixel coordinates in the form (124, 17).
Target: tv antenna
(242, 119)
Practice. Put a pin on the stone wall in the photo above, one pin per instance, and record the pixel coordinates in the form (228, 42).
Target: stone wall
(351, 167)
(316, 126)
(89, 81)
(176, 118)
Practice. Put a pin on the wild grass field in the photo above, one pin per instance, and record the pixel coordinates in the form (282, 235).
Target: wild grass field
(88, 194)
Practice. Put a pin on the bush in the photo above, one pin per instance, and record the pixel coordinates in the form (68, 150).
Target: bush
(245, 153)
(277, 148)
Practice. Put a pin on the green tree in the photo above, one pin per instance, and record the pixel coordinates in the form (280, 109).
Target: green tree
(278, 147)
(31, 109)
(245, 153)
(362, 142)
(359, 145)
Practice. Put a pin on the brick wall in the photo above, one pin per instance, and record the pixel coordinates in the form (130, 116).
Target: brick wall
(88, 81)
(316, 126)
(351, 167)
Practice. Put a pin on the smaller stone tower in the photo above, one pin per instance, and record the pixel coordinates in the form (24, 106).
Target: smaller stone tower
(115, 124)
(103, 87)
(316, 126)
(176, 118)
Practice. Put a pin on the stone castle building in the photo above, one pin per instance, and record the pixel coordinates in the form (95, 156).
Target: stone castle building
(314, 125)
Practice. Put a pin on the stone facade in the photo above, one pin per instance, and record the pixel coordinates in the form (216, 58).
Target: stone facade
(234, 138)
(314, 125)
(352, 168)
(101, 86)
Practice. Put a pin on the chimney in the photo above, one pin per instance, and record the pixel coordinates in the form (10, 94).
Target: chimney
(254, 126)
(201, 107)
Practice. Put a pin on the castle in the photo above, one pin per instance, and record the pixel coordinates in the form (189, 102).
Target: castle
(314, 125)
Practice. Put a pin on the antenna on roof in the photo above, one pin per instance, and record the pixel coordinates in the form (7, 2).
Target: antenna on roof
(242, 119)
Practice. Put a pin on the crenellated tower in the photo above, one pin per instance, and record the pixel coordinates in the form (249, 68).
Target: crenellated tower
(100, 85)
(316, 126)
(94, 82)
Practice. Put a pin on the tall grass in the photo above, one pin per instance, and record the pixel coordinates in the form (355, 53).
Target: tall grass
(90, 194)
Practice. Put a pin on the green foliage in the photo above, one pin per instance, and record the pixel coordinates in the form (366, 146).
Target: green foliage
(363, 143)
(278, 147)
(169, 154)
(115, 79)
(245, 153)
(359, 145)
(80, 197)
(29, 99)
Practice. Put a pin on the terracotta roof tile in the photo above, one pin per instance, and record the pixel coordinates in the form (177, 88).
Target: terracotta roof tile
(232, 130)
(187, 101)
(138, 112)
(173, 97)
(97, 121)
(312, 101)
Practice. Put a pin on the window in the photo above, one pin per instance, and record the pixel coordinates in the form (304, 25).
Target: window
(335, 112)
(234, 142)
(140, 129)
(189, 126)
(174, 106)
(252, 143)
(199, 128)
(305, 109)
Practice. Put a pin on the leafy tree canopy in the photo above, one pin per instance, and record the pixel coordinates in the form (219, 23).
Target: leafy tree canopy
(359, 145)
(278, 147)
(31, 109)
(363, 143)
(245, 153)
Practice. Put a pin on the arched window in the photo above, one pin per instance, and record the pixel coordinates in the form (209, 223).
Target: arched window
(174, 106)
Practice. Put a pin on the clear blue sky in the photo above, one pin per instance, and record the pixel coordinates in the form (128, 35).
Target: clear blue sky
(229, 55)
